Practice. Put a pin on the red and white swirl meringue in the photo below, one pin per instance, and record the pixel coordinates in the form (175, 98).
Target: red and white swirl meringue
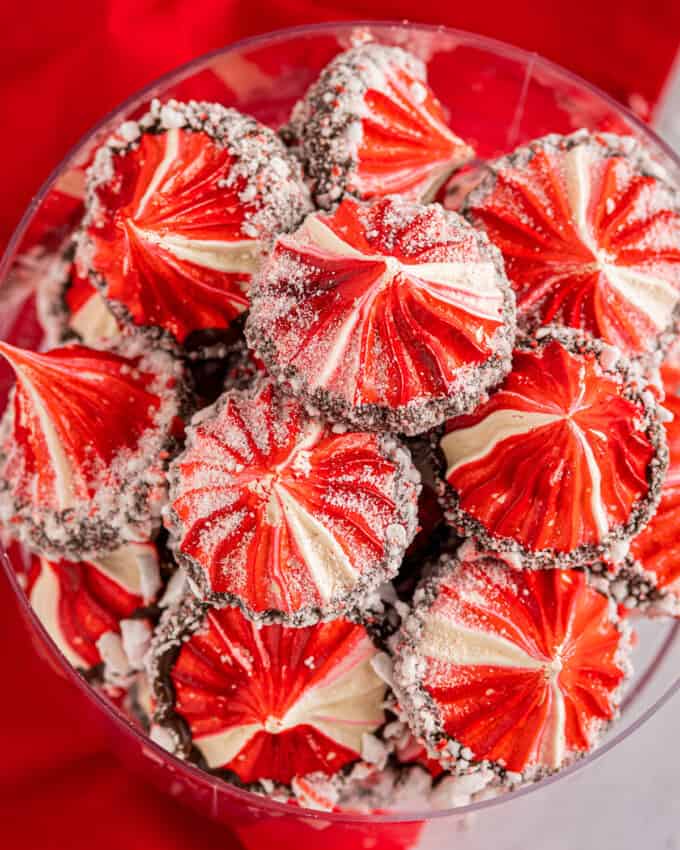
(275, 512)
(264, 702)
(84, 444)
(564, 463)
(515, 670)
(590, 235)
(390, 315)
(181, 206)
(371, 126)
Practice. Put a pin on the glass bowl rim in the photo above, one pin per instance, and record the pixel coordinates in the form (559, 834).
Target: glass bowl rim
(248, 798)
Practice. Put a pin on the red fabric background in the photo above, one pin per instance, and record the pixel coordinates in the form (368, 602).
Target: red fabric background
(63, 64)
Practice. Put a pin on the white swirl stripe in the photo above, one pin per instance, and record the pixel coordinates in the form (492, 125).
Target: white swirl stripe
(235, 257)
(321, 236)
(577, 165)
(170, 155)
(553, 744)
(342, 710)
(596, 504)
(652, 296)
(220, 748)
(457, 644)
(45, 596)
(61, 466)
(326, 560)
(468, 445)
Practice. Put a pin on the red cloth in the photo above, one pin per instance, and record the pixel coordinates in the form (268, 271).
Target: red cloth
(63, 64)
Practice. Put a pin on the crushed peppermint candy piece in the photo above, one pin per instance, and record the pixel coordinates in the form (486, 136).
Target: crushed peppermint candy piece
(88, 315)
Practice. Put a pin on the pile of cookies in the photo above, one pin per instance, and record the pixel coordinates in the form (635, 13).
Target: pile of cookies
(344, 495)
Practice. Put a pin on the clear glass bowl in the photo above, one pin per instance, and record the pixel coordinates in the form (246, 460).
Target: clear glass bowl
(497, 97)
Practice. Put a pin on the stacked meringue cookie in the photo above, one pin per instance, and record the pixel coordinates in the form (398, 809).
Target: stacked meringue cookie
(344, 495)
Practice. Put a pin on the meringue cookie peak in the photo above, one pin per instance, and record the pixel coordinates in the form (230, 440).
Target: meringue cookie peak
(83, 446)
(67, 388)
